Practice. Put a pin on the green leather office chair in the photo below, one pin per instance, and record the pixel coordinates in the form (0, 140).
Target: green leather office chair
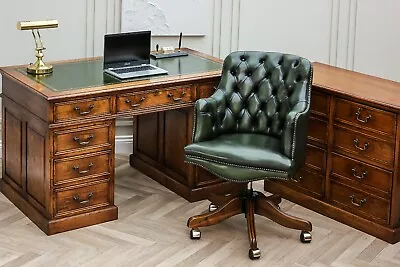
(253, 127)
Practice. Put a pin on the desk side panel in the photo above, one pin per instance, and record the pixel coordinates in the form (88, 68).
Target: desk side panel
(26, 97)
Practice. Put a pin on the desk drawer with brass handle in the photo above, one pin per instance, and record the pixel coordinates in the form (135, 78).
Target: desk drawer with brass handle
(79, 109)
(359, 173)
(82, 199)
(360, 202)
(154, 98)
(82, 139)
(93, 166)
(363, 146)
(365, 117)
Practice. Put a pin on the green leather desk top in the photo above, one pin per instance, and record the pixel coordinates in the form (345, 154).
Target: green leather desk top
(83, 74)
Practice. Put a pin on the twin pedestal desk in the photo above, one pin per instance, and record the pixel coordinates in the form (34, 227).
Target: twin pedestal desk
(58, 142)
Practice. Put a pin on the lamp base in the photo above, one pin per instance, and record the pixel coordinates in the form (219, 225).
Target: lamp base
(39, 67)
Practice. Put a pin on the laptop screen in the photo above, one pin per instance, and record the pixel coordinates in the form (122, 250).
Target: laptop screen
(126, 49)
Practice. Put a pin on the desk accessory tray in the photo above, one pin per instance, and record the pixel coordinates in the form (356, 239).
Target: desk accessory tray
(167, 55)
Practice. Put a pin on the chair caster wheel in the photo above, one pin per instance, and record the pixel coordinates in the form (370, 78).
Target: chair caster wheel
(195, 233)
(305, 237)
(212, 207)
(254, 254)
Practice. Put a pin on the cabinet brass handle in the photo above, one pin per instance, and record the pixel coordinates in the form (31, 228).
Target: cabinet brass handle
(83, 202)
(176, 98)
(366, 144)
(83, 143)
(362, 201)
(298, 179)
(358, 113)
(364, 173)
(84, 112)
(128, 101)
(76, 168)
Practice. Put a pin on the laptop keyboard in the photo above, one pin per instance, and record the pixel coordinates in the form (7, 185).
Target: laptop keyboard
(133, 69)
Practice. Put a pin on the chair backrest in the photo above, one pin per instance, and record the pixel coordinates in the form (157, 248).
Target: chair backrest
(258, 90)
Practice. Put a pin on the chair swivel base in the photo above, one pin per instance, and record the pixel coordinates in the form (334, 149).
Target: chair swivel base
(248, 202)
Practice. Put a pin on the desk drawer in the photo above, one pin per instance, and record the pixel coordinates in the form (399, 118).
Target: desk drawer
(365, 116)
(79, 109)
(315, 158)
(365, 146)
(361, 173)
(83, 139)
(318, 130)
(319, 103)
(310, 182)
(82, 199)
(154, 98)
(88, 166)
(359, 202)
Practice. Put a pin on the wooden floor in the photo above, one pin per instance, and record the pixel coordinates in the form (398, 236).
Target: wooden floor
(151, 231)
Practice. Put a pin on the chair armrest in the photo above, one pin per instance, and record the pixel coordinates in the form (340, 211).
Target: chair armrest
(295, 133)
(205, 117)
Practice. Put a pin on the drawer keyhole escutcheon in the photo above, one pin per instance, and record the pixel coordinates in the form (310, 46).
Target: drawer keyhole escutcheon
(91, 107)
(128, 101)
(356, 144)
(358, 113)
(83, 202)
(363, 174)
(76, 168)
(362, 201)
(83, 143)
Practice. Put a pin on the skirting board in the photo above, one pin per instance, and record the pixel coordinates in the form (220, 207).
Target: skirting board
(124, 144)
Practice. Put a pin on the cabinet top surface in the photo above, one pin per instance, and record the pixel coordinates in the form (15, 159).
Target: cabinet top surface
(357, 85)
(84, 76)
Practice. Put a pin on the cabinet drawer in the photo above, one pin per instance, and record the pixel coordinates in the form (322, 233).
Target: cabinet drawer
(153, 98)
(364, 146)
(318, 130)
(309, 182)
(79, 109)
(359, 202)
(361, 173)
(365, 116)
(82, 167)
(315, 158)
(82, 139)
(81, 199)
(319, 103)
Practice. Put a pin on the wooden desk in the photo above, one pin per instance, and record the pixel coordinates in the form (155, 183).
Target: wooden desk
(352, 165)
(58, 136)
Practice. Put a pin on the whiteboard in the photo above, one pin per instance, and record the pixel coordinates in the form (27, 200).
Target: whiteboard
(165, 17)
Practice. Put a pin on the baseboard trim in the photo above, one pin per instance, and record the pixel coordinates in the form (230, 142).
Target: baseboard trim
(124, 144)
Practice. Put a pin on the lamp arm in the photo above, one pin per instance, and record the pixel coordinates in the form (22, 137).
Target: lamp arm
(38, 39)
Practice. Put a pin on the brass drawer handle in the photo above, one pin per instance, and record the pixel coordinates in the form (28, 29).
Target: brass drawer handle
(298, 180)
(364, 173)
(176, 98)
(83, 143)
(83, 202)
(84, 112)
(366, 144)
(128, 101)
(358, 113)
(76, 168)
(362, 201)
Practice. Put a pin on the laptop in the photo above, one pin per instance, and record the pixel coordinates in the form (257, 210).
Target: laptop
(127, 55)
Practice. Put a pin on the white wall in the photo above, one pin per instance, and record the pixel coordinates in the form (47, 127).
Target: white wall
(361, 35)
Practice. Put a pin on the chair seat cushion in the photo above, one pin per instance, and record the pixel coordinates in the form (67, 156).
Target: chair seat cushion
(251, 151)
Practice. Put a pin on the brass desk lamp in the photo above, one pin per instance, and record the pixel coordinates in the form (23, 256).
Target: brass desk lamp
(39, 67)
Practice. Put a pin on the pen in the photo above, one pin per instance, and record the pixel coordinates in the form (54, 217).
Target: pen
(180, 42)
